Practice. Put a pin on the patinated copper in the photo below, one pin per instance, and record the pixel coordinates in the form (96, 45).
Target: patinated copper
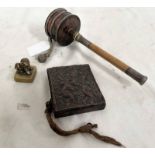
(74, 90)
(58, 25)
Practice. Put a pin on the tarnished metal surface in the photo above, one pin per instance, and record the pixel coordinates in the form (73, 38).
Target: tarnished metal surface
(24, 68)
(136, 75)
(24, 71)
(59, 25)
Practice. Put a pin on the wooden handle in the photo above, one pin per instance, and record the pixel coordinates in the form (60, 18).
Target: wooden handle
(113, 60)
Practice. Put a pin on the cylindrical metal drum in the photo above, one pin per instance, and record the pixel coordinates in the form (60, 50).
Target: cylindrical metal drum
(58, 25)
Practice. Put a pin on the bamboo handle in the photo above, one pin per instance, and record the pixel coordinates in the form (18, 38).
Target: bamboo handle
(141, 79)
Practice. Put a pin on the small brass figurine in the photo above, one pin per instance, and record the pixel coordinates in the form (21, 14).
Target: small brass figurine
(25, 72)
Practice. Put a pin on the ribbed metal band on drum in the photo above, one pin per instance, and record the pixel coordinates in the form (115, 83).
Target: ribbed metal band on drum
(58, 24)
(50, 19)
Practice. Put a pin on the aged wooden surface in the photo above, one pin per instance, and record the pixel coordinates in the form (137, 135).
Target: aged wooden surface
(74, 90)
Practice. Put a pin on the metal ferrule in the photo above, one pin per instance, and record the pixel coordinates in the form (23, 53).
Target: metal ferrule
(78, 37)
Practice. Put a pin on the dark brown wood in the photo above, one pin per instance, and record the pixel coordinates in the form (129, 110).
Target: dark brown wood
(74, 90)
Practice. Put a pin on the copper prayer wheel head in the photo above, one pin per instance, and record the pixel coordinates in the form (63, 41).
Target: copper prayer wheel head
(63, 27)
(59, 25)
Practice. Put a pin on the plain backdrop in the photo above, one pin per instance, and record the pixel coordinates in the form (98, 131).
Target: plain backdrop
(129, 116)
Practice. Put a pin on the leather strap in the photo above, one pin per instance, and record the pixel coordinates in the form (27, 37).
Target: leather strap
(82, 129)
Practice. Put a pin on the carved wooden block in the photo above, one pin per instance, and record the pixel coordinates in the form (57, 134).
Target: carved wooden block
(74, 90)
